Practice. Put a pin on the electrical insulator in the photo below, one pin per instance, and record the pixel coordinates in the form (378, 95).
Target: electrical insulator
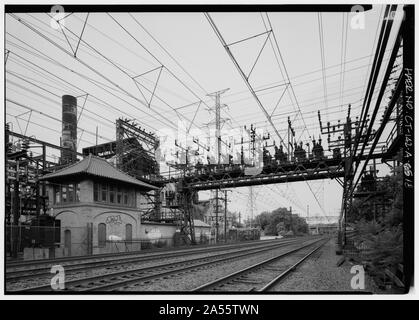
(25, 144)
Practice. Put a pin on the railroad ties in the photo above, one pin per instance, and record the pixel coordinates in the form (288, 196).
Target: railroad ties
(133, 271)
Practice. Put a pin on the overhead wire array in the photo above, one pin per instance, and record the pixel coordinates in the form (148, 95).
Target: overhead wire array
(48, 91)
(322, 56)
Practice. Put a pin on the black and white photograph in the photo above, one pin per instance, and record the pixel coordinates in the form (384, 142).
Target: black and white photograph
(207, 149)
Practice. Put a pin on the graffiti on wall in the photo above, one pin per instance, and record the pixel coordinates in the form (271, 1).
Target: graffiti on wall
(153, 233)
(114, 220)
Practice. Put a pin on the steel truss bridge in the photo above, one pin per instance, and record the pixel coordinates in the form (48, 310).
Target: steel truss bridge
(229, 177)
(213, 177)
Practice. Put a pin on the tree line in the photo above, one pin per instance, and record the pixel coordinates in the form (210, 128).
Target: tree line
(280, 221)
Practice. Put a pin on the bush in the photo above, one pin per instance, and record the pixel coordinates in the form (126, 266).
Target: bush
(380, 237)
(382, 247)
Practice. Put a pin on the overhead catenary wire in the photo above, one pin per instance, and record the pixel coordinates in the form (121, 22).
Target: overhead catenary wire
(103, 103)
(170, 55)
(243, 76)
(149, 52)
(344, 43)
(19, 76)
(302, 101)
(263, 87)
(41, 126)
(95, 82)
(51, 117)
(88, 66)
(286, 73)
(322, 56)
(220, 37)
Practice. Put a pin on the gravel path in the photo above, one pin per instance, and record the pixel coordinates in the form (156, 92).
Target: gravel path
(321, 273)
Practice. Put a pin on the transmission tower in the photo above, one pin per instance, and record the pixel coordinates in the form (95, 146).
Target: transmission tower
(218, 121)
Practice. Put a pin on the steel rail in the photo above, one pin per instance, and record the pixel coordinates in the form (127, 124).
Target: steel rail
(116, 258)
(119, 279)
(154, 253)
(243, 271)
(280, 277)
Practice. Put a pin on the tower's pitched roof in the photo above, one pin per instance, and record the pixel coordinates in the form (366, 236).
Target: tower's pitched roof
(95, 166)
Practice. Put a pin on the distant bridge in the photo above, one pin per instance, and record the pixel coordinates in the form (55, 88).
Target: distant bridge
(321, 219)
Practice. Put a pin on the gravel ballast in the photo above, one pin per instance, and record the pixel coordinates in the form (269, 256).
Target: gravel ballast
(321, 273)
(76, 275)
(190, 280)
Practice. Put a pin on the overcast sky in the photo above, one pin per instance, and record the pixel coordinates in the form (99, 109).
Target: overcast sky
(117, 47)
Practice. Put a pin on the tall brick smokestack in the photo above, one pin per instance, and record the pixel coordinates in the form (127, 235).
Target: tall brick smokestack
(69, 131)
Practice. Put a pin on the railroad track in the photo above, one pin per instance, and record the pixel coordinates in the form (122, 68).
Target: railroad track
(37, 269)
(264, 275)
(135, 277)
(104, 256)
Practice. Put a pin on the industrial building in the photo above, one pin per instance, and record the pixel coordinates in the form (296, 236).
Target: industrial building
(94, 202)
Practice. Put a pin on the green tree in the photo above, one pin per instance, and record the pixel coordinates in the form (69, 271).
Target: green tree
(280, 221)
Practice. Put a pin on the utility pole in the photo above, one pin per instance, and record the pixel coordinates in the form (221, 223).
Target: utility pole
(216, 216)
(292, 229)
(251, 204)
(218, 106)
(225, 215)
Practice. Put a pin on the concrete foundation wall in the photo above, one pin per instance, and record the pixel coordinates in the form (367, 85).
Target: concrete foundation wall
(155, 232)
